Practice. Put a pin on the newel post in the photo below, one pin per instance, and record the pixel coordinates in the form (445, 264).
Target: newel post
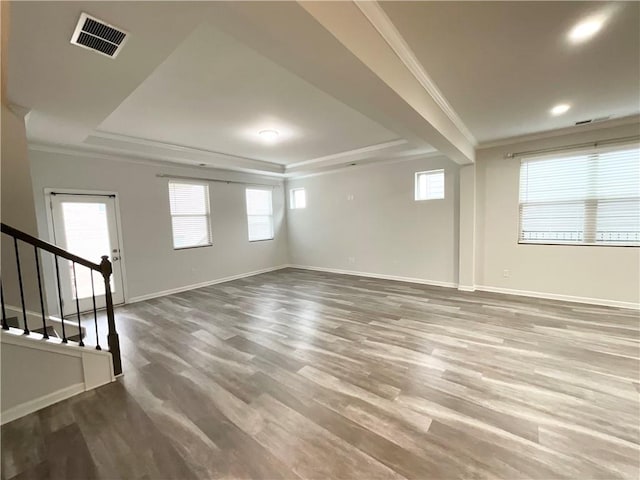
(112, 336)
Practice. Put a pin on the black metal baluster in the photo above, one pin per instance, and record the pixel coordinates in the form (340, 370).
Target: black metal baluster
(24, 308)
(5, 325)
(64, 335)
(45, 334)
(95, 312)
(75, 291)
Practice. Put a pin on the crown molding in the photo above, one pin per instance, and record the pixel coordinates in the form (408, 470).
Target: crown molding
(370, 163)
(615, 122)
(180, 153)
(385, 27)
(128, 157)
(349, 155)
(19, 110)
(169, 152)
(121, 148)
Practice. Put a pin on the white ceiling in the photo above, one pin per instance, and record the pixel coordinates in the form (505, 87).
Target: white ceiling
(215, 93)
(503, 65)
(70, 90)
(196, 81)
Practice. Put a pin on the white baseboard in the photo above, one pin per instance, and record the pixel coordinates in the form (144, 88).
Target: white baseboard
(484, 288)
(422, 281)
(194, 286)
(467, 288)
(41, 402)
(554, 296)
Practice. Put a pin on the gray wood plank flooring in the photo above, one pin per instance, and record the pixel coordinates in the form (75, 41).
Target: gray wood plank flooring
(298, 374)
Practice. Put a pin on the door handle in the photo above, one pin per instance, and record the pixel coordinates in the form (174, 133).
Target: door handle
(115, 259)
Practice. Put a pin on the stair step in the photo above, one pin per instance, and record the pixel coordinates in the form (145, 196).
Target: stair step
(75, 338)
(13, 322)
(50, 331)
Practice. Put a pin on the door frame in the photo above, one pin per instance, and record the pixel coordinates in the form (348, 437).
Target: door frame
(70, 191)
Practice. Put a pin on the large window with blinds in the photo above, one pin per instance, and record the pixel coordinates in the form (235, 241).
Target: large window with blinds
(190, 219)
(582, 198)
(259, 214)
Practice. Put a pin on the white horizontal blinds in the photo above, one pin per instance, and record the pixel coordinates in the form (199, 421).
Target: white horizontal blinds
(189, 204)
(430, 185)
(618, 190)
(259, 214)
(588, 197)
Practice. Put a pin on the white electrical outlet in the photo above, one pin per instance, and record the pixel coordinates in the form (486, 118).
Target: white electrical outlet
(352, 260)
(506, 273)
(350, 197)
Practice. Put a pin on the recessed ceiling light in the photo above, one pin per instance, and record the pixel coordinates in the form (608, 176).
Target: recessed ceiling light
(586, 29)
(269, 135)
(560, 109)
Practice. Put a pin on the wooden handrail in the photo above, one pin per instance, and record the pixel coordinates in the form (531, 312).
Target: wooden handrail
(104, 268)
(49, 247)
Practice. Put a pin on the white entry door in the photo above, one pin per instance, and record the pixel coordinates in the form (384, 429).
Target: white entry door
(86, 225)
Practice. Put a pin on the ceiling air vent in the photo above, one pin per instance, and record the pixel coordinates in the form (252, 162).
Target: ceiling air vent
(96, 35)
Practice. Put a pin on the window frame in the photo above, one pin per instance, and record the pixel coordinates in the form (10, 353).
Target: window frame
(207, 215)
(590, 206)
(271, 215)
(292, 202)
(436, 171)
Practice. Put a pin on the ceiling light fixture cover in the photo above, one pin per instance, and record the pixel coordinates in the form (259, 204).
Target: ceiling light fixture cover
(560, 109)
(269, 135)
(586, 29)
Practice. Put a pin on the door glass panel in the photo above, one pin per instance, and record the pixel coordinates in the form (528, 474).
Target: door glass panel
(86, 230)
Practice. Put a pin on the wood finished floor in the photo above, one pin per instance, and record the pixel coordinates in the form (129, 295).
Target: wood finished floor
(298, 374)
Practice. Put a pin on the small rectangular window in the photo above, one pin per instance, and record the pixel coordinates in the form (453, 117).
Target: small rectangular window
(584, 198)
(190, 220)
(259, 214)
(430, 185)
(297, 198)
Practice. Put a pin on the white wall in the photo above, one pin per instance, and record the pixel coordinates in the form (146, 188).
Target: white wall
(382, 230)
(37, 373)
(18, 210)
(467, 231)
(601, 273)
(28, 374)
(152, 265)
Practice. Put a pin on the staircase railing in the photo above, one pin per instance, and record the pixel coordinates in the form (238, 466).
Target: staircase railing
(103, 268)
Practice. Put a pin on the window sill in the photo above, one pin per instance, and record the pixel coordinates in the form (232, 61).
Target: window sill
(195, 246)
(574, 244)
(262, 240)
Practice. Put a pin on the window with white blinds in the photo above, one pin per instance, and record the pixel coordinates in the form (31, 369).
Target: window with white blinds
(259, 214)
(429, 185)
(190, 220)
(587, 198)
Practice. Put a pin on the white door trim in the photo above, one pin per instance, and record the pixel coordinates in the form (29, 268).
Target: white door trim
(50, 229)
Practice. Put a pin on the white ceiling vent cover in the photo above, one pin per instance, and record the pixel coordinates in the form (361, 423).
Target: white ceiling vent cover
(96, 35)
